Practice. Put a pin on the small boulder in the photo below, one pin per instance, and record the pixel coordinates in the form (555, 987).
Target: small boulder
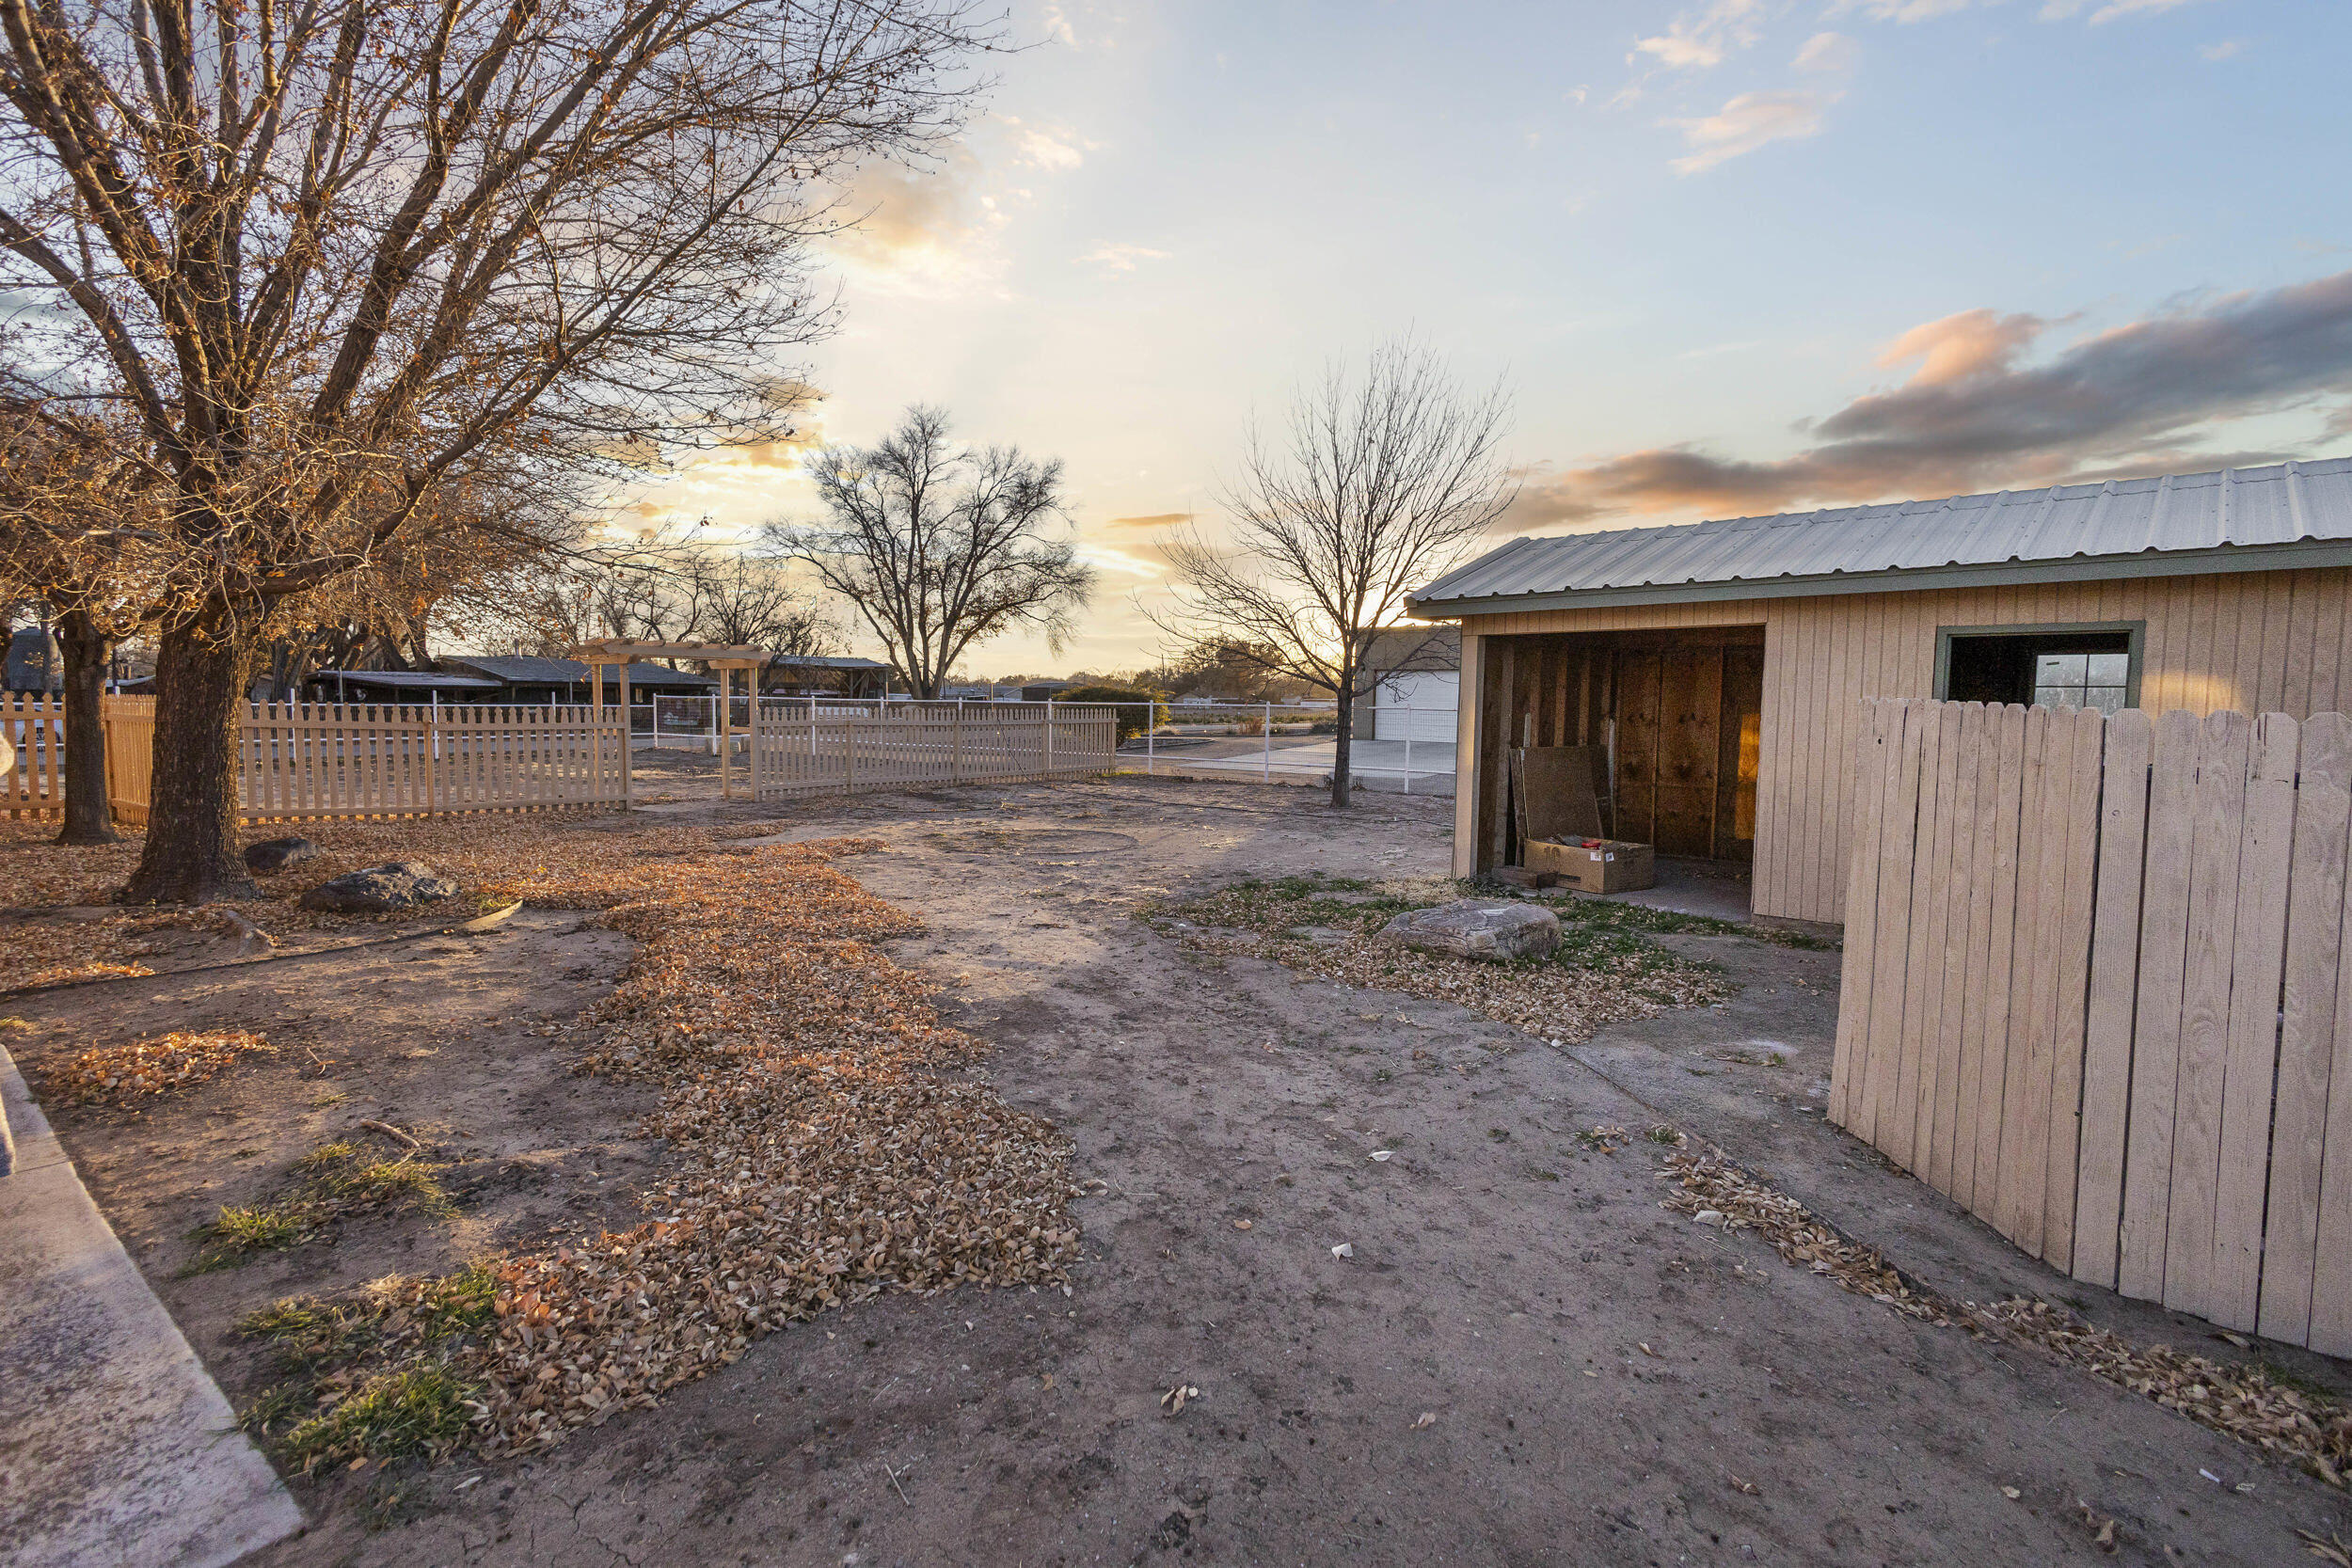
(276, 854)
(1486, 929)
(381, 889)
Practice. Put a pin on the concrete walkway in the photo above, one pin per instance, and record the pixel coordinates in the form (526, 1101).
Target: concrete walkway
(115, 1446)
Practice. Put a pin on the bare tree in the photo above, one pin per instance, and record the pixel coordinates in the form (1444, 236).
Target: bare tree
(676, 590)
(1380, 483)
(332, 258)
(940, 546)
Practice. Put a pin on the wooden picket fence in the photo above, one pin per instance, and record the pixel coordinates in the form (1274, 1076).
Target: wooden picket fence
(2097, 991)
(300, 761)
(800, 749)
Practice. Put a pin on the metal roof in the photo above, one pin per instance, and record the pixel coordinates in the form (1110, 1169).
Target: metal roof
(2283, 516)
(420, 680)
(822, 661)
(523, 669)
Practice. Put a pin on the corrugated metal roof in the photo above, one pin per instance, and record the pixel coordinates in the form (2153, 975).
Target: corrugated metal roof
(420, 680)
(523, 669)
(2122, 526)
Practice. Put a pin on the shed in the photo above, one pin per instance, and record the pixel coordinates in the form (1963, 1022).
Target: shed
(1724, 663)
(824, 675)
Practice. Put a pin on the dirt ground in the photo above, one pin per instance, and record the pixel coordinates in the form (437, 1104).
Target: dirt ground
(1526, 1360)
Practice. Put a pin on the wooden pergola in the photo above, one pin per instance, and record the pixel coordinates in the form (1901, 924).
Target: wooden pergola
(722, 660)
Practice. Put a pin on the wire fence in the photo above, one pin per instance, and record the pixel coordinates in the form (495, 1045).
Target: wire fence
(1405, 747)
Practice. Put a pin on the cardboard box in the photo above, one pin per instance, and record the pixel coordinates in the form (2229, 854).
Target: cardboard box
(1614, 866)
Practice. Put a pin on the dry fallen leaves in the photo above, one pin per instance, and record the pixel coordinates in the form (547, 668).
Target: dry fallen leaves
(2241, 1402)
(1174, 1401)
(119, 1075)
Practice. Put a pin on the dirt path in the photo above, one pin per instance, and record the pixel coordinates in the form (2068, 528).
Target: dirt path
(1603, 1381)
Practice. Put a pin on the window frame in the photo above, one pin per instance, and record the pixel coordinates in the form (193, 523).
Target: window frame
(2135, 646)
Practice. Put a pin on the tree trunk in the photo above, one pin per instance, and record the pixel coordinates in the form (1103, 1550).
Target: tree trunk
(191, 855)
(1343, 749)
(89, 817)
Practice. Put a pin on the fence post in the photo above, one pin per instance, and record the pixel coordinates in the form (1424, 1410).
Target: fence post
(1265, 751)
(1151, 732)
(1048, 755)
(955, 746)
(1408, 743)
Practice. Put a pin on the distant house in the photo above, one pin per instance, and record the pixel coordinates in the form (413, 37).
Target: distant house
(1417, 682)
(1723, 664)
(35, 663)
(1039, 691)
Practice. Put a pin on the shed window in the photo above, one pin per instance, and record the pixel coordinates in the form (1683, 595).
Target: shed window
(2055, 667)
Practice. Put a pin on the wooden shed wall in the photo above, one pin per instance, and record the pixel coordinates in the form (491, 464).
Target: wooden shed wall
(2254, 642)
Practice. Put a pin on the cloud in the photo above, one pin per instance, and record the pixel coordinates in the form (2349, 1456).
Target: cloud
(1747, 122)
(2059, 10)
(1975, 413)
(1696, 43)
(1117, 259)
(1828, 52)
(2226, 49)
(903, 213)
(1156, 521)
(1898, 10)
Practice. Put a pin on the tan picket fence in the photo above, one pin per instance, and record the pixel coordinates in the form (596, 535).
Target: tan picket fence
(2097, 991)
(298, 761)
(802, 749)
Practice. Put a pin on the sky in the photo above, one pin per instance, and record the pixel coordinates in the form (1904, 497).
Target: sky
(1729, 258)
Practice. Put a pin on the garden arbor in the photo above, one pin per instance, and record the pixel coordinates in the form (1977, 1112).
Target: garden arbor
(722, 662)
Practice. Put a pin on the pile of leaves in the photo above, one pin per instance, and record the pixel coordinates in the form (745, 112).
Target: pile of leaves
(120, 1075)
(2248, 1403)
(817, 1150)
(1606, 970)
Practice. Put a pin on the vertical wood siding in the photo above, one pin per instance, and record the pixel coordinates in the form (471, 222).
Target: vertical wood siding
(2252, 641)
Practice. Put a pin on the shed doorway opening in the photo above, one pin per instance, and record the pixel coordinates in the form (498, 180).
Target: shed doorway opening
(1679, 711)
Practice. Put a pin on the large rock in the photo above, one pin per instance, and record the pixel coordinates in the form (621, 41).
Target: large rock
(1493, 929)
(381, 889)
(276, 854)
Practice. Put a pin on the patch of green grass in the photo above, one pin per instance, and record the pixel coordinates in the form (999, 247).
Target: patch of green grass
(306, 1332)
(458, 1302)
(418, 1409)
(239, 1232)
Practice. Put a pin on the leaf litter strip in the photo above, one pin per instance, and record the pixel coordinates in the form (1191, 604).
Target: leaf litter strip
(2240, 1402)
(818, 1151)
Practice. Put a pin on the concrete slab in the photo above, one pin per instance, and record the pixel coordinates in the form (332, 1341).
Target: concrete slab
(115, 1446)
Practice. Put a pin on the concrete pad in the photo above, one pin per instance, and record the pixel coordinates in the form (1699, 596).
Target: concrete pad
(115, 1446)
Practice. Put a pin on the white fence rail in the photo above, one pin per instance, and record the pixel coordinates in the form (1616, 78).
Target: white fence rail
(799, 747)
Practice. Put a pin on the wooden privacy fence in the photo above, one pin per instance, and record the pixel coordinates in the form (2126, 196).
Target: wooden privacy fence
(2097, 990)
(306, 760)
(796, 751)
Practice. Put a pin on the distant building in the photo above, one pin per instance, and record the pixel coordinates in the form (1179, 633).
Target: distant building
(1039, 691)
(35, 663)
(525, 678)
(1417, 690)
(824, 675)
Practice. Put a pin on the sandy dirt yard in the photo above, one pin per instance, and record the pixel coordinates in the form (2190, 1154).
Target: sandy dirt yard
(1521, 1359)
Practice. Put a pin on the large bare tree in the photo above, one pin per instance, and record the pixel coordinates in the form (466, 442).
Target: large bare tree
(332, 256)
(1379, 483)
(940, 546)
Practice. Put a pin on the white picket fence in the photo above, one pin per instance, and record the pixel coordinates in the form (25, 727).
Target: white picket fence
(2097, 989)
